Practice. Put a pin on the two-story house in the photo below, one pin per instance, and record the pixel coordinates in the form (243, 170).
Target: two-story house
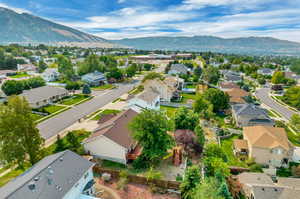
(64, 175)
(267, 145)
(94, 79)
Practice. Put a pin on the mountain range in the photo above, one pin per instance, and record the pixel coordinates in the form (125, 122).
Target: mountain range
(27, 28)
(243, 45)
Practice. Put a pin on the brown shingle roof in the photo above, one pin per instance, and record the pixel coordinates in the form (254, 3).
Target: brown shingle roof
(266, 137)
(237, 95)
(228, 85)
(116, 129)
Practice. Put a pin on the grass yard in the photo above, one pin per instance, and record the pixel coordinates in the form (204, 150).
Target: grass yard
(170, 111)
(186, 97)
(190, 86)
(20, 75)
(74, 99)
(105, 112)
(9, 176)
(36, 116)
(227, 146)
(50, 109)
(103, 87)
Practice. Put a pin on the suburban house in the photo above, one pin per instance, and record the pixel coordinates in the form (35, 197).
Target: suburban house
(167, 88)
(63, 175)
(50, 74)
(262, 186)
(112, 139)
(42, 96)
(250, 115)
(237, 96)
(292, 75)
(178, 69)
(26, 68)
(231, 76)
(266, 71)
(266, 144)
(225, 86)
(94, 79)
(148, 99)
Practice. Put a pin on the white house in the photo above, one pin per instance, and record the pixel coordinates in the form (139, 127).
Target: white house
(50, 74)
(112, 139)
(26, 68)
(64, 175)
(148, 99)
(266, 71)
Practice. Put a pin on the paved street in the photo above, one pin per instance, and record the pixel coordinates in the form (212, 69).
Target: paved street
(263, 95)
(56, 124)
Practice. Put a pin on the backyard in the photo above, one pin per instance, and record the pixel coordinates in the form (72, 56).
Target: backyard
(186, 97)
(170, 111)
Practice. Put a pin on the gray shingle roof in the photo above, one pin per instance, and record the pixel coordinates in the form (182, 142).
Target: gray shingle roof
(180, 68)
(148, 95)
(53, 177)
(248, 109)
(42, 93)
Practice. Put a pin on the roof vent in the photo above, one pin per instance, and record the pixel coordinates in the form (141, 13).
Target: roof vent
(31, 186)
(51, 171)
(263, 189)
(50, 181)
(275, 189)
(61, 159)
(37, 178)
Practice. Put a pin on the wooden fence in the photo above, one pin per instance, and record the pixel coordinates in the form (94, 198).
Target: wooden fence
(139, 179)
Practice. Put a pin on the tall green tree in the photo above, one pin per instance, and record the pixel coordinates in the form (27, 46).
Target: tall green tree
(150, 131)
(185, 119)
(217, 98)
(203, 107)
(295, 120)
(18, 133)
(211, 75)
(191, 179)
(86, 89)
(42, 66)
(65, 67)
(278, 78)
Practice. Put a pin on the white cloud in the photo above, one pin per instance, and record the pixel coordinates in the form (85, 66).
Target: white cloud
(17, 10)
(121, 1)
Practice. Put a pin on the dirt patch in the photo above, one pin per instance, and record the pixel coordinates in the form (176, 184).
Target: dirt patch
(136, 191)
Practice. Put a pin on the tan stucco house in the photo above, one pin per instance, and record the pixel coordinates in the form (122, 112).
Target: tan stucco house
(165, 91)
(267, 145)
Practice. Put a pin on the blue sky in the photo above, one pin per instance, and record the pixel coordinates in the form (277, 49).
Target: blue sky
(116, 19)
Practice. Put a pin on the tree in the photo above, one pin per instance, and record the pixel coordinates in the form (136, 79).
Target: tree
(152, 75)
(11, 87)
(42, 66)
(131, 70)
(20, 139)
(216, 164)
(217, 98)
(86, 89)
(214, 150)
(292, 96)
(211, 75)
(191, 179)
(200, 135)
(91, 64)
(72, 85)
(73, 141)
(65, 67)
(185, 119)
(295, 120)
(203, 107)
(207, 189)
(150, 131)
(148, 67)
(114, 73)
(59, 145)
(278, 78)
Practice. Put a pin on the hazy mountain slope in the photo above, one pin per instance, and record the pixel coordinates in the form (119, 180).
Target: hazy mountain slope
(28, 28)
(247, 45)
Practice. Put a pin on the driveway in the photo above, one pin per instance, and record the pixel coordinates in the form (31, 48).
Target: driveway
(263, 95)
(53, 126)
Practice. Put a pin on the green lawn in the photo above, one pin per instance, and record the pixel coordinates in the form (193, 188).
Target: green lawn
(50, 109)
(36, 116)
(105, 112)
(227, 146)
(9, 176)
(190, 86)
(103, 87)
(74, 99)
(170, 111)
(186, 97)
(20, 75)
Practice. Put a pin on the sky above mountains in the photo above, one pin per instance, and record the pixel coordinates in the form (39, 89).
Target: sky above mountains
(116, 19)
